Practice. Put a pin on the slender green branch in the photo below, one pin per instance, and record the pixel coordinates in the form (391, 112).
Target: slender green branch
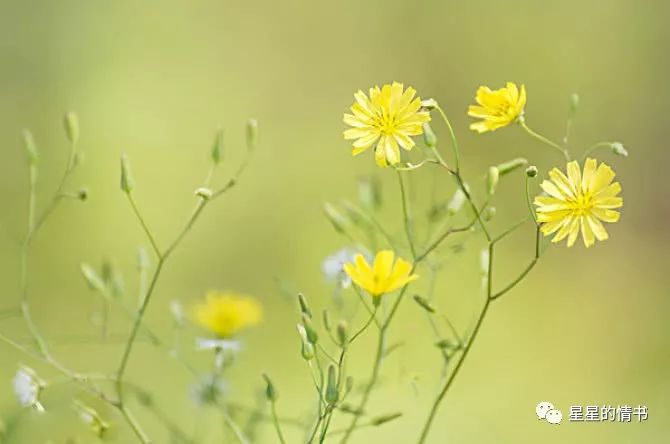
(594, 147)
(406, 215)
(232, 425)
(373, 317)
(145, 227)
(454, 141)
(275, 420)
(529, 201)
(541, 138)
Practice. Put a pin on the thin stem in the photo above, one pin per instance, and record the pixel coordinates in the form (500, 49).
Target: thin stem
(134, 425)
(454, 141)
(525, 272)
(145, 227)
(406, 215)
(466, 350)
(234, 427)
(367, 324)
(592, 148)
(541, 138)
(275, 420)
(529, 201)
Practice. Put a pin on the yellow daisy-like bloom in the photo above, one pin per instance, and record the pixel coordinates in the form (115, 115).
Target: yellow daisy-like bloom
(497, 108)
(579, 201)
(225, 314)
(384, 276)
(387, 119)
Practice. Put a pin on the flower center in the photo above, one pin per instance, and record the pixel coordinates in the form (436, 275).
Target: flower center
(583, 204)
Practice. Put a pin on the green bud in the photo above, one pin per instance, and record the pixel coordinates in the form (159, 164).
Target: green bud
(339, 221)
(217, 147)
(71, 124)
(423, 303)
(332, 393)
(270, 390)
(429, 137)
(92, 419)
(127, 181)
(489, 213)
(307, 349)
(456, 202)
(252, 134)
(326, 320)
(492, 178)
(369, 192)
(82, 194)
(31, 148)
(445, 344)
(531, 171)
(511, 165)
(342, 332)
(383, 419)
(94, 281)
(619, 150)
(204, 193)
(304, 308)
(574, 102)
(143, 261)
(144, 397)
(349, 384)
(312, 335)
(429, 104)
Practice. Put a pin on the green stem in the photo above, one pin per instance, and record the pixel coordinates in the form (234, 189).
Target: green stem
(592, 148)
(529, 201)
(275, 420)
(406, 215)
(454, 141)
(235, 428)
(544, 140)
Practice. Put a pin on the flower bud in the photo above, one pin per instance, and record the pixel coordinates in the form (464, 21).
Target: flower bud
(252, 134)
(423, 303)
(71, 124)
(619, 150)
(127, 181)
(82, 194)
(204, 193)
(270, 390)
(349, 384)
(31, 148)
(531, 171)
(327, 323)
(177, 311)
(217, 147)
(511, 165)
(574, 102)
(307, 349)
(342, 332)
(456, 202)
(369, 192)
(489, 213)
(429, 104)
(304, 308)
(445, 344)
(383, 419)
(339, 221)
(94, 281)
(92, 419)
(312, 335)
(429, 137)
(492, 178)
(332, 393)
(143, 261)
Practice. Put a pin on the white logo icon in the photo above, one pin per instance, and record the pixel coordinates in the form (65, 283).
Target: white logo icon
(546, 410)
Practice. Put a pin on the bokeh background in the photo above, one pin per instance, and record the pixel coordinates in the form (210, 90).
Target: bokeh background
(155, 80)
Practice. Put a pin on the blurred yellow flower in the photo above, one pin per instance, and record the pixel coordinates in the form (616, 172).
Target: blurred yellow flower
(387, 119)
(384, 276)
(225, 314)
(579, 201)
(497, 108)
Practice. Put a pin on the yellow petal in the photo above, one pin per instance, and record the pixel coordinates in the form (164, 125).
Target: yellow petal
(383, 264)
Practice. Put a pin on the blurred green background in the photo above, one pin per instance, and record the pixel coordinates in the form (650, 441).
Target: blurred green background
(155, 80)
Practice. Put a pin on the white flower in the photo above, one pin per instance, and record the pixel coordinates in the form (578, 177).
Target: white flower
(333, 266)
(27, 387)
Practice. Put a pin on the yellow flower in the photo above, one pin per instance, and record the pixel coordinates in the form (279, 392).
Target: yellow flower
(384, 276)
(497, 108)
(225, 314)
(388, 118)
(579, 201)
